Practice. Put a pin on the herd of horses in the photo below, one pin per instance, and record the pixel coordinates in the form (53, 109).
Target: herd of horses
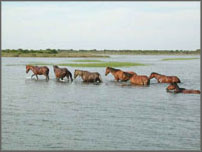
(119, 75)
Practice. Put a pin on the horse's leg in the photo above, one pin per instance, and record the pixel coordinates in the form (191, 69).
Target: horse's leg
(99, 80)
(116, 78)
(67, 77)
(37, 77)
(47, 77)
(32, 75)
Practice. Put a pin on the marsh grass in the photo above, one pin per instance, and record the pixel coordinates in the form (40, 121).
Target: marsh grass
(96, 64)
(104, 64)
(171, 59)
(87, 61)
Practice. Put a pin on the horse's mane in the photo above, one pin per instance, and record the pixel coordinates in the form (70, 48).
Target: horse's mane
(32, 66)
(55, 66)
(128, 74)
(113, 69)
(81, 70)
(155, 73)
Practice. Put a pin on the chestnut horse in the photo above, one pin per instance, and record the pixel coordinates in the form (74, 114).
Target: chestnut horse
(140, 80)
(60, 73)
(164, 79)
(38, 71)
(88, 76)
(119, 74)
(177, 89)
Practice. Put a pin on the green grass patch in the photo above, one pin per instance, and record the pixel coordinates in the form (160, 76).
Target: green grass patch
(104, 64)
(87, 61)
(96, 64)
(168, 59)
(40, 63)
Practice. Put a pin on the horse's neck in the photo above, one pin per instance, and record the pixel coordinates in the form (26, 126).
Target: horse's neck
(35, 69)
(157, 76)
(32, 68)
(82, 75)
(177, 88)
(113, 71)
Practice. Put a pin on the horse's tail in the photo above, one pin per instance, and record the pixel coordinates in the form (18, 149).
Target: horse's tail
(148, 82)
(70, 74)
(47, 72)
(100, 78)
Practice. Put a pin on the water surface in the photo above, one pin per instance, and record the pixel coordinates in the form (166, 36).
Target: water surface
(40, 115)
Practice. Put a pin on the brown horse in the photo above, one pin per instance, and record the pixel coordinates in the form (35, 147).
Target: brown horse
(119, 74)
(38, 71)
(164, 79)
(88, 76)
(140, 80)
(60, 73)
(177, 89)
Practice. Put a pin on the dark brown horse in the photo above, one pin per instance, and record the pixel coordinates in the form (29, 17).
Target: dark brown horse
(43, 70)
(164, 79)
(88, 76)
(139, 80)
(119, 74)
(60, 73)
(177, 89)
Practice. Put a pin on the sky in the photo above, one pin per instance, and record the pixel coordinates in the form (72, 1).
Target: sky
(101, 25)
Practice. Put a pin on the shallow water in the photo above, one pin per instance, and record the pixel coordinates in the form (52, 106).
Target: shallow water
(53, 115)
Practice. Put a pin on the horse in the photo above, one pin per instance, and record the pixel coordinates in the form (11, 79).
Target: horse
(60, 73)
(177, 89)
(139, 80)
(119, 74)
(43, 70)
(164, 79)
(88, 76)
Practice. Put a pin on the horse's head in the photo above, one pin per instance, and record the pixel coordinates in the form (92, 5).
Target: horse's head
(171, 87)
(27, 68)
(55, 66)
(76, 73)
(107, 71)
(152, 75)
(174, 86)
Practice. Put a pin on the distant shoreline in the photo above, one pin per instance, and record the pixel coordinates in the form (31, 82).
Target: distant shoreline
(91, 53)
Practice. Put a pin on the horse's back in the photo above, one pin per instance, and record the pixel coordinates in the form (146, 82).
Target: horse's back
(173, 79)
(191, 91)
(43, 70)
(140, 80)
(177, 79)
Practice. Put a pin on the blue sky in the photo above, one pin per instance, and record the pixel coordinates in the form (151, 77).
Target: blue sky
(101, 25)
